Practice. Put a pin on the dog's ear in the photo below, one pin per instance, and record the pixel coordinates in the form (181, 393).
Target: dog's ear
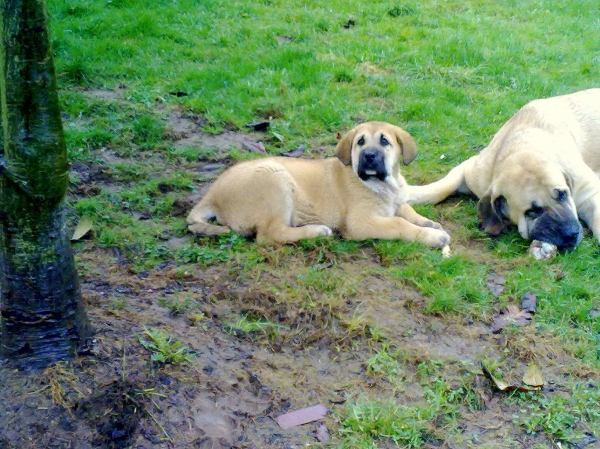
(492, 214)
(344, 147)
(407, 144)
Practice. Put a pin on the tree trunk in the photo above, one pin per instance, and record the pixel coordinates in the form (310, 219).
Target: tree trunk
(41, 312)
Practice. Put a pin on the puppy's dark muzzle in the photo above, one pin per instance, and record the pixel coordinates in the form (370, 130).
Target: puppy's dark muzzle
(565, 234)
(371, 164)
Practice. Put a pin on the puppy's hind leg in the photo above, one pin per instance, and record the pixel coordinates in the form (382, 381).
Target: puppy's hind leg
(273, 207)
(198, 221)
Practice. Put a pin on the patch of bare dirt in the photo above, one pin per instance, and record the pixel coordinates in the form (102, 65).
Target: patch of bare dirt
(104, 94)
(187, 132)
(229, 396)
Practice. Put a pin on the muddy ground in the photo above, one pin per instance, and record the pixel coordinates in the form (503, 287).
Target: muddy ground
(237, 383)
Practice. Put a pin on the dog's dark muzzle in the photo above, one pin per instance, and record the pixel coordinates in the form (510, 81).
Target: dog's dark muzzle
(565, 233)
(371, 164)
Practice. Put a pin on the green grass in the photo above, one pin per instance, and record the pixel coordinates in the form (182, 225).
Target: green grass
(385, 363)
(450, 72)
(563, 418)
(472, 62)
(366, 423)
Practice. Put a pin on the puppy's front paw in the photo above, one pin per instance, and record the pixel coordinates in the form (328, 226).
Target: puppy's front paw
(436, 238)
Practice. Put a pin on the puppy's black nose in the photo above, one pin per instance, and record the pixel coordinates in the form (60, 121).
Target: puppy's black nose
(369, 156)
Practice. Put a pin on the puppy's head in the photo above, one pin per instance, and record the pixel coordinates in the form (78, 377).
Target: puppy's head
(374, 149)
(535, 195)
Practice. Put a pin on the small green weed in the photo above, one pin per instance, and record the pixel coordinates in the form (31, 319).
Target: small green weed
(177, 305)
(246, 325)
(164, 349)
(385, 363)
(118, 303)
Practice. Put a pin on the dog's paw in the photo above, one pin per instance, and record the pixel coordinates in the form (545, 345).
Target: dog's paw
(436, 238)
(433, 224)
(323, 231)
(446, 252)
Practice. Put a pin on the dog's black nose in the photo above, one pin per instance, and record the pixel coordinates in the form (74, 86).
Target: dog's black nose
(570, 233)
(369, 156)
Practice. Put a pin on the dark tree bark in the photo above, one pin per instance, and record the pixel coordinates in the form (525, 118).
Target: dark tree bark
(41, 312)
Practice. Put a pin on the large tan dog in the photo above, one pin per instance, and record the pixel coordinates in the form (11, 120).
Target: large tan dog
(361, 194)
(540, 172)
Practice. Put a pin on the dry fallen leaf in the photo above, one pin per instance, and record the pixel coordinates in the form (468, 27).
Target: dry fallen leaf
(83, 227)
(322, 266)
(500, 384)
(257, 147)
(302, 416)
(588, 439)
(495, 284)
(533, 376)
(513, 315)
(299, 151)
(504, 386)
(322, 433)
(529, 302)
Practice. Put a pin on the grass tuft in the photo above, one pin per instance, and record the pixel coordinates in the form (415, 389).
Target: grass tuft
(164, 348)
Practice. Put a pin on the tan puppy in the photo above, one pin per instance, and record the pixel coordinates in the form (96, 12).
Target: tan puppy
(361, 194)
(540, 172)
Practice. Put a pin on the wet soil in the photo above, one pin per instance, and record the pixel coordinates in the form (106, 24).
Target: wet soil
(237, 383)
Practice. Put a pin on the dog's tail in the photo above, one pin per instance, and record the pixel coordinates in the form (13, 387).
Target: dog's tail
(198, 221)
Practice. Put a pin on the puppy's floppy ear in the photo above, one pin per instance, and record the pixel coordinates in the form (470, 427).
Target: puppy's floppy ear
(491, 214)
(408, 145)
(344, 147)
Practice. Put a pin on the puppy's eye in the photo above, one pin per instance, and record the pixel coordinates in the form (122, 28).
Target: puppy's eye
(561, 195)
(361, 141)
(534, 212)
(383, 141)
